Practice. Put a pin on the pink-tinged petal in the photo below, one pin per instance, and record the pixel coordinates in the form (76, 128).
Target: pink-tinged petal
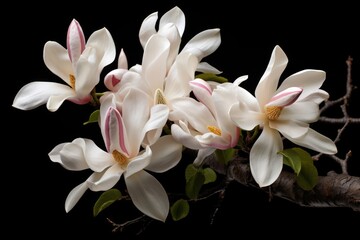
(166, 154)
(182, 135)
(180, 73)
(75, 41)
(285, 98)
(245, 118)
(301, 111)
(265, 162)
(309, 80)
(148, 195)
(34, 94)
(212, 140)
(202, 154)
(202, 92)
(154, 126)
(105, 180)
(113, 78)
(315, 141)
(57, 61)
(175, 16)
(104, 44)
(138, 163)
(147, 28)
(154, 61)
(75, 195)
(291, 127)
(115, 132)
(270, 79)
(204, 43)
(96, 158)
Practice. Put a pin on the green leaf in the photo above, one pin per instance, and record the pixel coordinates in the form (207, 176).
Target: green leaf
(308, 176)
(293, 158)
(225, 156)
(190, 171)
(105, 200)
(94, 116)
(194, 185)
(211, 77)
(210, 175)
(303, 165)
(179, 210)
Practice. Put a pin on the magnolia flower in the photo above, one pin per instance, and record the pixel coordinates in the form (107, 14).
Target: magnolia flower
(123, 132)
(172, 26)
(205, 125)
(79, 66)
(287, 110)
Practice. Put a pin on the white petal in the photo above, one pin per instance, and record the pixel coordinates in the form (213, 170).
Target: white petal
(75, 195)
(244, 118)
(183, 136)
(175, 16)
(34, 94)
(72, 156)
(147, 28)
(148, 195)
(204, 43)
(265, 163)
(96, 158)
(166, 153)
(301, 111)
(318, 96)
(154, 127)
(139, 162)
(207, 68)
(270, 79)
(315, 141)
(309, 80)
(57, 60)
(292, 128)
(202, 154)
(105, 180)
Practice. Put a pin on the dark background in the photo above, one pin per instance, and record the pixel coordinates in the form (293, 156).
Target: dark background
(313, 35)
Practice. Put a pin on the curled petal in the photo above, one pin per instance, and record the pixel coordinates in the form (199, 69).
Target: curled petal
(182, 134)
(139, 162)
(105, 180)
(175, 16)
(147, 28)
(245, 118)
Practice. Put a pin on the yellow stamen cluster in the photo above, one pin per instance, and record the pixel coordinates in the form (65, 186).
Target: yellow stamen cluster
(120, 158)
(215, 130)
(159, 97)
(273, 112)
(72, 81)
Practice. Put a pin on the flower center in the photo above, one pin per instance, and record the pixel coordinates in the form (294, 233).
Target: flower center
(120, 158)
(273, 112)
(159, 97)
(72, 81)
(215, 130)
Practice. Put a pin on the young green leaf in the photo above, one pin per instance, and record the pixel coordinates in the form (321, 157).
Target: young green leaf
(105, 200)
(308, 176)
(210, 175)
(179, 210)
(190, 171)
(211, 77)
(292, 158)
(94, 116)
(225, 156)
(194, 185)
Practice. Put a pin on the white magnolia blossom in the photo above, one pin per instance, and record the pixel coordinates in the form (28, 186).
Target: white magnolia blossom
(79, 66)
(206, 125)
(288, 110)
(123, 132)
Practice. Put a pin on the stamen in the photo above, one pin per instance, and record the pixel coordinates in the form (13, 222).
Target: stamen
(215, 130)
(159, 97)
(273, 112)
(119, 157)
(72, 81)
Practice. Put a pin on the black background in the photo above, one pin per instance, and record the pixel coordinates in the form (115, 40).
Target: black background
(313, 35)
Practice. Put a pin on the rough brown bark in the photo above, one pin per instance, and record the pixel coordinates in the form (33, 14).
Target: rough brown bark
(333, 190)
